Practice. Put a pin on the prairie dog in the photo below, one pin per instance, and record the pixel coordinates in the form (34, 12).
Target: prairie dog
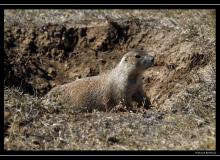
(121, 84)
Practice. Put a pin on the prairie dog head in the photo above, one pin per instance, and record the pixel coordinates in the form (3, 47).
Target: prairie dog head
(137, 60)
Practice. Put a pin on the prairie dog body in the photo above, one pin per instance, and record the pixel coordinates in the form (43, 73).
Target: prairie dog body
(102, 92)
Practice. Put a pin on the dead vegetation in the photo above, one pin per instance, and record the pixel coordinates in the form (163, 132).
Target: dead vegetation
(181, 86)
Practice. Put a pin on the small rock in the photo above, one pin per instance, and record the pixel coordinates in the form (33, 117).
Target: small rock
(51, 72)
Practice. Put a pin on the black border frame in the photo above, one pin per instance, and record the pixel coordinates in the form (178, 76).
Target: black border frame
(111, 6)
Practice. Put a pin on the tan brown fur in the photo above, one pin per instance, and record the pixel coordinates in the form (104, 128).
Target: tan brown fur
(102, 92)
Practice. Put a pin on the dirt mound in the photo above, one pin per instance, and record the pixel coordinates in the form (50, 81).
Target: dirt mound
(42, 57)
(39, 56)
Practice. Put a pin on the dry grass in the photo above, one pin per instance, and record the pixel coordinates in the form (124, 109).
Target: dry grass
(189, 124)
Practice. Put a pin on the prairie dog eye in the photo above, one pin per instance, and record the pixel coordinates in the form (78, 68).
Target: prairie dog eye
(137, 56)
